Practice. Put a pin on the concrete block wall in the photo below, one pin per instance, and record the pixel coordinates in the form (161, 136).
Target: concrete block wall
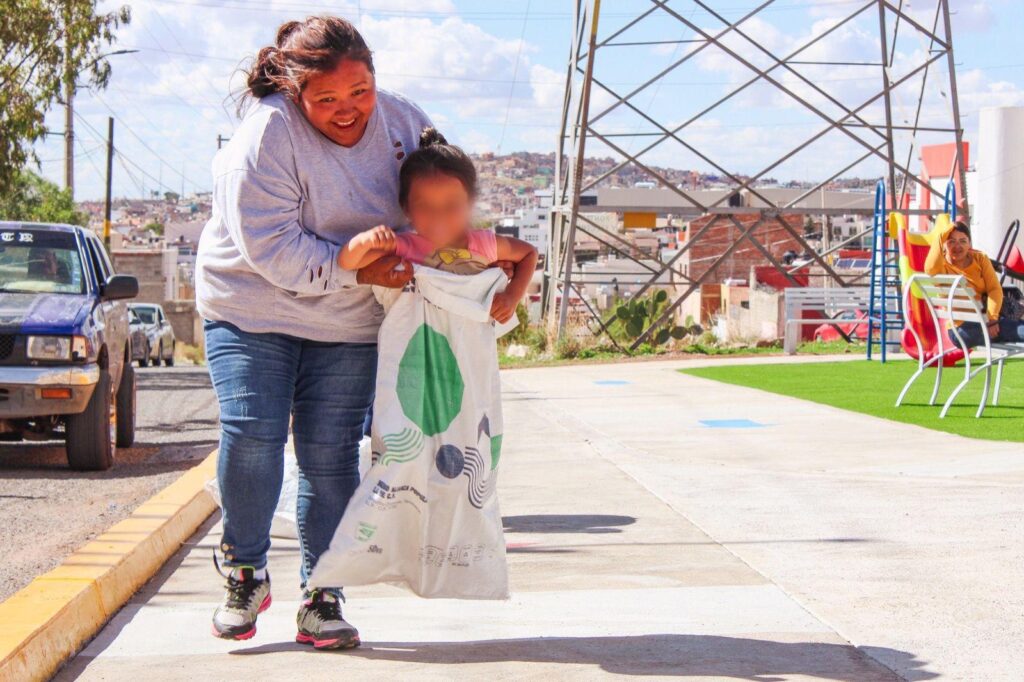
(148, 268)
(182, 315)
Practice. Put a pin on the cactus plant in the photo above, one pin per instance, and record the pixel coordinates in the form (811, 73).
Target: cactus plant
(637, 314)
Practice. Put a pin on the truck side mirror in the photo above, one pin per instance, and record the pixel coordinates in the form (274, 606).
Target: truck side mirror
(120, 287)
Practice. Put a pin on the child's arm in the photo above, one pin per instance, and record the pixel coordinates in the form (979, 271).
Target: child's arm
(366, 247)
(525, 258)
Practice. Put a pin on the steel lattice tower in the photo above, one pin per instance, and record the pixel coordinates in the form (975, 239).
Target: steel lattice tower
(884, 126)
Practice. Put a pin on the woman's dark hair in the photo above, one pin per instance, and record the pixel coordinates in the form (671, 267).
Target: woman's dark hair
(302, 49)
(435, 157)
(961, 226)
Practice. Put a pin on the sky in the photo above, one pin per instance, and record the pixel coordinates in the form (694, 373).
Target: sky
(491, 75)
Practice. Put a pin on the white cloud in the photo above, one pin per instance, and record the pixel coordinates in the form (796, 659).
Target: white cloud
(548, 86)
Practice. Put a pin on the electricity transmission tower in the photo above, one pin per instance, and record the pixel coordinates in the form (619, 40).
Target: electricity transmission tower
(855, 88)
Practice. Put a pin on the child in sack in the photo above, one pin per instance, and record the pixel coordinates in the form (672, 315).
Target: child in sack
(426, 514)
(437, 188)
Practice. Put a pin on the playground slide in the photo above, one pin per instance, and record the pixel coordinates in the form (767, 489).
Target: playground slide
(914, 248)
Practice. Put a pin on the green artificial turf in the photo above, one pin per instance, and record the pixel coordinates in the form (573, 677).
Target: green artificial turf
(871, 388)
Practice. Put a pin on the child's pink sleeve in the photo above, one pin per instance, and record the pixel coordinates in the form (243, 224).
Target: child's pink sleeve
(405, 247)
(484, 243)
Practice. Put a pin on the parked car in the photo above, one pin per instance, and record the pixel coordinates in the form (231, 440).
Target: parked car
(65, 349)
(159, 334)
(140, 343)
(853, 324)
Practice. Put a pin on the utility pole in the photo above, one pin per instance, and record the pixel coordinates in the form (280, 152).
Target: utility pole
(69, 113)
(110, 182)
(70, 85)
(221, 140)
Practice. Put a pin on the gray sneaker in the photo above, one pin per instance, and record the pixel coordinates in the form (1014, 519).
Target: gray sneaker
(321, 624)
(245, 597)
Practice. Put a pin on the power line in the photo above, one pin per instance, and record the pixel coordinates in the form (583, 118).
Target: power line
(141, 141)
(144, 172)
(213, 88)
(489, 15)
(140, 185)
(470, 79)
(80, 155)
(126, 157)
(515, 75)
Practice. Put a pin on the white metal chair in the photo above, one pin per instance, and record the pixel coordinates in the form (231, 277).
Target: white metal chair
(950, 298)
(947, 346)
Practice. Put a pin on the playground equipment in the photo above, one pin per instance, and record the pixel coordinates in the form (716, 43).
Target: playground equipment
(1009, 261)
(884, 313)
(920, 338)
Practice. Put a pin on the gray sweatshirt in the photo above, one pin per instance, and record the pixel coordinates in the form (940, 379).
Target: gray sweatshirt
(284, 199)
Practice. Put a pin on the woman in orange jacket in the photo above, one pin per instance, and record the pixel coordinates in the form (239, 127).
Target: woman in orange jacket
(951, 254)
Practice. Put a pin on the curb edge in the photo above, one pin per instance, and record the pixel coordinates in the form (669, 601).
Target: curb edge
(46, 622)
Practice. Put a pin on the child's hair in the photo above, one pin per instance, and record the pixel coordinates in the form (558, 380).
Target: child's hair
(303, 49)
(961, 226)
(435, 157)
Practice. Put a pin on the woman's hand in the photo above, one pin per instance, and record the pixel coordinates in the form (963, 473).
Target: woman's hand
(390, 271)
(993, 328)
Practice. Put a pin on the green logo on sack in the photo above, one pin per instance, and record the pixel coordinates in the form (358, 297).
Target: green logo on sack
(401, 447)
(429, 384)
(365, 531)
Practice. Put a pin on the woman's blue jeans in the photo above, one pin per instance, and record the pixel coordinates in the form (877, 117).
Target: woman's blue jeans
(263, 382)
(1010, 331)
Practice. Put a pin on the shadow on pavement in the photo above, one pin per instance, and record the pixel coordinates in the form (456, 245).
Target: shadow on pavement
(661, 654)
(566, 523)
(184, 379)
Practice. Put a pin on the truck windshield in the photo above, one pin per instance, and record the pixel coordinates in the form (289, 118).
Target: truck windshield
(147, 315)
(33, 261)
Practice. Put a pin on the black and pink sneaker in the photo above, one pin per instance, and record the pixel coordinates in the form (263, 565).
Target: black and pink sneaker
(321, 624)
(245, 597)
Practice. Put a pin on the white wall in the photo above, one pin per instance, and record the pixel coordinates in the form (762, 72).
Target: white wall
(1000, 176)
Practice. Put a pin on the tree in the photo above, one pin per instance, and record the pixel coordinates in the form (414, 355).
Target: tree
(31, 198)
(808, 225)
(171, 197)
(44, 45)
(156, 227)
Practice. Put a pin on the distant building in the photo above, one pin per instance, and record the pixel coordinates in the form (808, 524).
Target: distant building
(156, 270)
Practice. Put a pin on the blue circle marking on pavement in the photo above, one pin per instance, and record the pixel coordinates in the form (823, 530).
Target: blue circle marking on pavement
(732, 424)
(611, 382)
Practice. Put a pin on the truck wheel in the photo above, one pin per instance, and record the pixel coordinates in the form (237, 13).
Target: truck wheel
(126, 408)
(169, 360)
(91, 434)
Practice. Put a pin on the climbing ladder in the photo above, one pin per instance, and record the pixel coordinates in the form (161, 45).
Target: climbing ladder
(885, 317)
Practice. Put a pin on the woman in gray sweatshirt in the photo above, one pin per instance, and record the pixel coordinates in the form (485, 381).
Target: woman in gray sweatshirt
(290, 335)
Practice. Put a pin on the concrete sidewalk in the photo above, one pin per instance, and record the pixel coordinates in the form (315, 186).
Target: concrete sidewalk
(645, 542)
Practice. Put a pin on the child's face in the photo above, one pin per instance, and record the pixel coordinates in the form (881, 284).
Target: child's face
(439, 208)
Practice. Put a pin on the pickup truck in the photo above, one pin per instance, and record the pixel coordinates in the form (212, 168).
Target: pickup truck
(65, 345)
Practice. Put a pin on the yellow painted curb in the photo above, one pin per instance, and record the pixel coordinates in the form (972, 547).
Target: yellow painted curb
(44, 624)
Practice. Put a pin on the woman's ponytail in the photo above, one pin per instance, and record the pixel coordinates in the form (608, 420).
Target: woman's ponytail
(264, 76)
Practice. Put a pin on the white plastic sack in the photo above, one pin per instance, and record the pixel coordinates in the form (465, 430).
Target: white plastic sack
(426, 515)
(283, 524)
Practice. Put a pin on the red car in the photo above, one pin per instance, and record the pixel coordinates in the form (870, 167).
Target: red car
(853, 324)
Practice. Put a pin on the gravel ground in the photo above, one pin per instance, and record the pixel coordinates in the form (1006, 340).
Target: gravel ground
(47, 511)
